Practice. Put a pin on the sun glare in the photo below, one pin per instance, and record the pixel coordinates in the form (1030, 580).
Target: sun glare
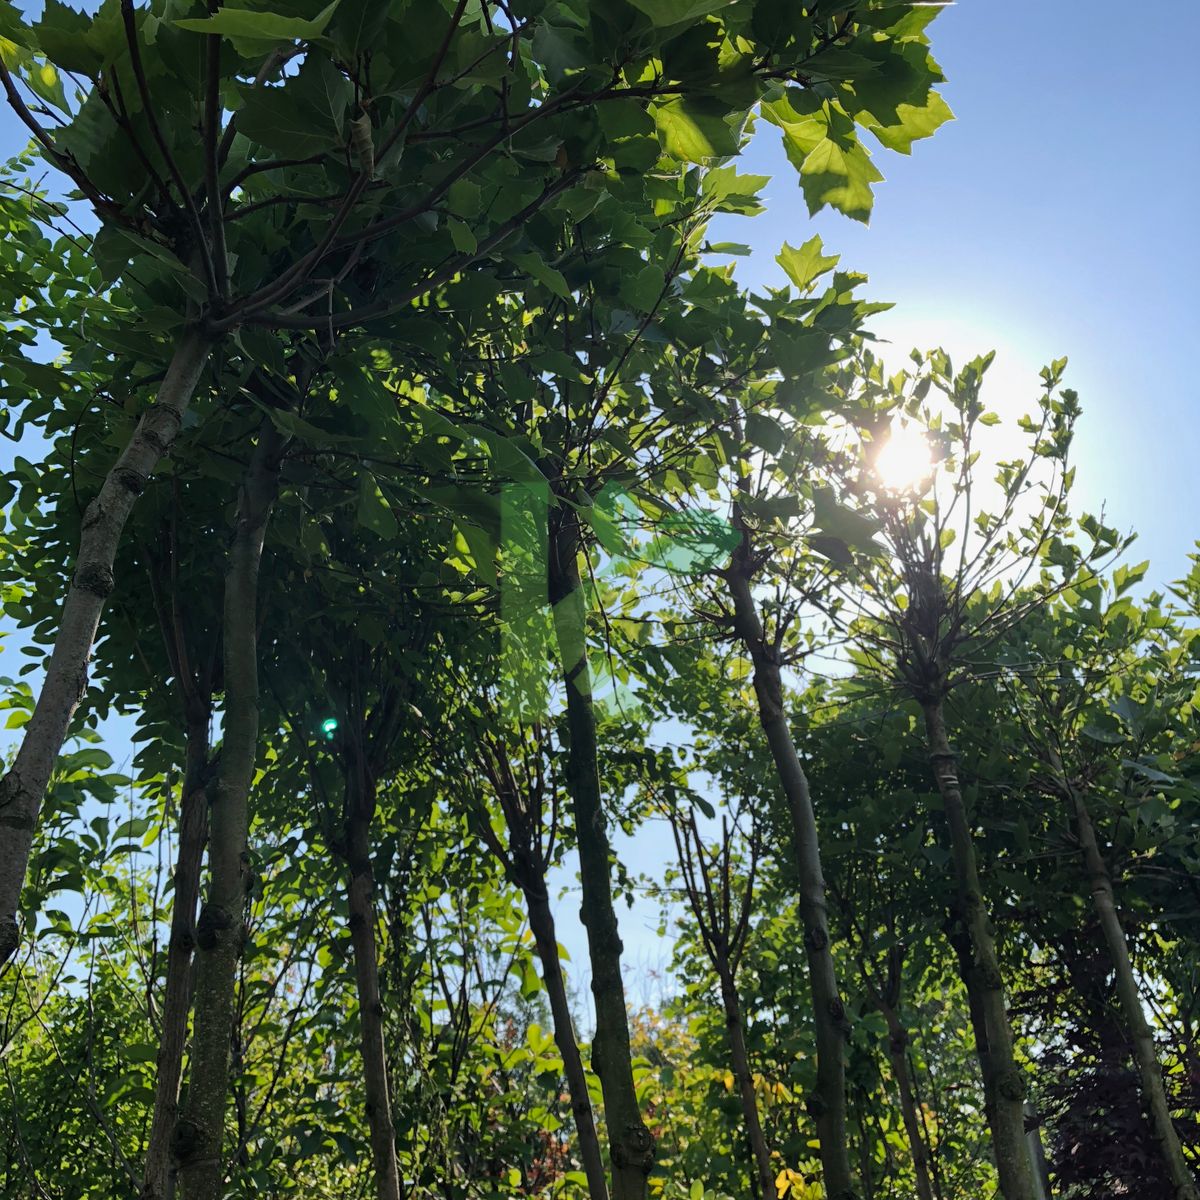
(905, 459)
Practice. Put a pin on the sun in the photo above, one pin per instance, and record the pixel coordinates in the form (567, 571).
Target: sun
(905, 460)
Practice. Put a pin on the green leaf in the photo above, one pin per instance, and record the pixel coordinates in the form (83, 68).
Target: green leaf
(112, 258)
(482, 550)
(374, 512)
(63, 35)
(762, 430)
(357, 25)
(302, 118)
(913, 123)
(675, 12)
(644, 289)
(731, 192)
(139, 1052)
(508, 457)
(260, 26)
(460, 234)
(805, 263)
(841, 177)
(834, 519)
(608, 533)
(536, 266)
(302, 430)
(695, 129)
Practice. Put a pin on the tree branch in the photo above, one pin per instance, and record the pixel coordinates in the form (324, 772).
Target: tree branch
(212, 164)
(64, 162)
(139, 72)
(447, 271)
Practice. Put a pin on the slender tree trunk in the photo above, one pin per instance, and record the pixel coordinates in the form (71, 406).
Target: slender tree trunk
(363, 920)
(541, 922)
(630, 1143)
(827, 1103)
(176, 1004)
(898, 1057)
(1004, 1084)
(935, 1169)
(24, 785)
(865, 1164)
(220, 929)
(1154, 1093)
(740, 1059)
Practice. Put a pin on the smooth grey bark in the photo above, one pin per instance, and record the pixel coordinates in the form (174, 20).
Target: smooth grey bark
(541, 924)
(176, 1002)
(220, 930)
(1003, 1082)
(827, 1103)
(1145, 1055)
(630, 1143)
(360, 810)
(25, 783)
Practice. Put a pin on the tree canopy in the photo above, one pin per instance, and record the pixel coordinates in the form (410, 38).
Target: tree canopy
(407, 477)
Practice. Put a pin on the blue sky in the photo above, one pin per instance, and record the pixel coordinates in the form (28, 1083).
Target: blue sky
(1054, 216)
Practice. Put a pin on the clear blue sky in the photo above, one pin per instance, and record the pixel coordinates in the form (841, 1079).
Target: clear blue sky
(1055, 216)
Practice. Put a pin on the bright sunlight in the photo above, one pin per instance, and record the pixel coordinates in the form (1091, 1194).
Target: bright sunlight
(905, 460)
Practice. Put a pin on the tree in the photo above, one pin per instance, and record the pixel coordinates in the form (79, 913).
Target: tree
(346, 127)
(926, 617)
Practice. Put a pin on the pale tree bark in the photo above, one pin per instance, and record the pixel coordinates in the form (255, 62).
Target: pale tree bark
(220, 929)
(1183, 1182)
(827, 1102)
(360, 809)
(176, 1001)
(1004, 1084)
(25, 783)
(630, 1143)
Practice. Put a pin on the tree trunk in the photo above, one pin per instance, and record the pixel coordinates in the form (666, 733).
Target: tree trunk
(1149, 1070)
(935, 1170)
(898, 1057)
(220, 930)
(25, 783)
(541, 923)
(740, 1059)
(363, 919)
(1004, 1084)
(176, 1005)
(828, 1102)
(630, 1143)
